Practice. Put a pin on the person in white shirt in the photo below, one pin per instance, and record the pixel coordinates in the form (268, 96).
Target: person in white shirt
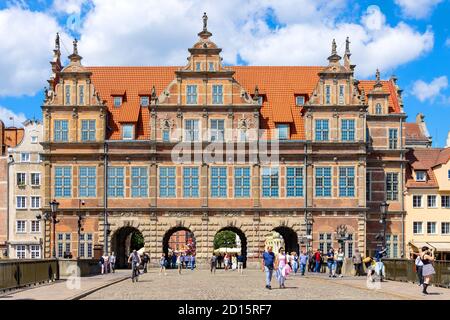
(419, 269)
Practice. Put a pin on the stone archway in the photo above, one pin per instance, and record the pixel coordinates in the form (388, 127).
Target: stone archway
(189, 235)
(243, 239)
(122, 244)
(290, 238)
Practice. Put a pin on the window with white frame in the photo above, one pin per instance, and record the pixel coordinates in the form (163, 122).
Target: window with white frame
(117, 101)
(145, 101)
(85, 245)
(418, 227)
(191, 94)
(219, 182)
(167, 182)
(35, 251)
(325, 241)
(21, 226)
(191, 129)
(25, 157)
(242, 182)
(35, 179)
(417, 201)
(431, 201)
(270, 182)
(431, 228)
(283, 131)
(294, 181)
(21, 251)
(392, 186)
(139, 182)
(349, 246)
(392, 246)
(421, 176)
(445, 202)
(87, 182)
(35, 226)
(127, 132)
(63, 244)
(21, 178)
(63, 182)
(190, 182)
(116, 182)
(217, 130)
(21, 202)
(445, 227)
(341, 94)
(35, 202)
(217, 93)
(34, 139)
(299, 100)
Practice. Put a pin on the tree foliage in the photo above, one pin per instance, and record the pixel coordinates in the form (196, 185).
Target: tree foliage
(137, 241)
(225, 239)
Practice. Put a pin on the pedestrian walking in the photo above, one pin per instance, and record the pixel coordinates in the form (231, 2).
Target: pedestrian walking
(112, 262)
(162, 264)
(135, 261)
(331, 263)
(101, 262)
(419, 269)
(427, 257)
(146, 261)
(240, 263)
(294, 262)
(186, 261)
(282, 268)
(318, 259)
(268, 260)
(311, 262)
(174, 260)
(220, 260)
(357, 263)
(303, 259)
(339, 262)
(179, 262)
(234, 262)
(226, 262)
(213, 263)
(192, 262)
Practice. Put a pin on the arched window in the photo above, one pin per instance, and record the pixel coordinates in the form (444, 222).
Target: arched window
(378, 109)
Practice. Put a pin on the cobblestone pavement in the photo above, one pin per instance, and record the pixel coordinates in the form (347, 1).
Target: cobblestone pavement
(201, 285)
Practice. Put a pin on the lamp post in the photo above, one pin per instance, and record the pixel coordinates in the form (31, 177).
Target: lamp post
(309, 225)
(54, 208)
(80, 222)
(383, 210)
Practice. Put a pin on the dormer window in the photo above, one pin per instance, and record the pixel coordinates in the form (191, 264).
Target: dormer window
(34, 139)
(127, 132)
(145, 101)
(299, 100)
(378, 109)
(117, 101)
(421, 176)
(283, 131)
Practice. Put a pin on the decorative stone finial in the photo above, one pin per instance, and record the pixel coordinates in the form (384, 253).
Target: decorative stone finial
(154, 93)
(377, 75)
(333, 47)
(205, 22)
(347, 47)
(75, 47)
(256, 96)
(57, 43)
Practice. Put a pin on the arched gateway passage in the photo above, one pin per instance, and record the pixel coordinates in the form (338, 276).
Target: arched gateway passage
(124, 241)
(178, 240)
(240, 242)
(290, 239)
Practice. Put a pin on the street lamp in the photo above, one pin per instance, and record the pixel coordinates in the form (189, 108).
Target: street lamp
(309, 225)
(383, 209)
(80, 222)
(54, 208)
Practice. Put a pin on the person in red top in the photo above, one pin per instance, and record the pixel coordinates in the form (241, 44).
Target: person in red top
(318, 258)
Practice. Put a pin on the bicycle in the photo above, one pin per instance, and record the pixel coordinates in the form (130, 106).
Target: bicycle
(135, 273)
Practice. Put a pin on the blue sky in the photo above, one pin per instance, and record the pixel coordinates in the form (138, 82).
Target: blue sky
(408, 38)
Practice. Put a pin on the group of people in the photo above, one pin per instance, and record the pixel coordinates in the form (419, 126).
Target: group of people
(107, 263)
(180, 261)
(229, 262)
(334, 261)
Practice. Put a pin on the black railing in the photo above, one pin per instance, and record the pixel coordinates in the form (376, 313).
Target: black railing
(21, 273)
(405, 270)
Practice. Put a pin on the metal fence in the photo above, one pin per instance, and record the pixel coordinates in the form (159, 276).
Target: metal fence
(405, 270)
(20, 273)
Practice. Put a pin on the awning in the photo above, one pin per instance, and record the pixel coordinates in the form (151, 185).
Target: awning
(440, 246)
(418, 245)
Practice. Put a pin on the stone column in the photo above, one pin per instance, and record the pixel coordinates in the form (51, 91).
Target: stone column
(310, 183)
(101, 184)
(362, 233)
(153, 184)
(256, 185)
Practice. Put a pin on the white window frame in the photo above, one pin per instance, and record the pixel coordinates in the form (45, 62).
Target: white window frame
(31, 202)
(23, 250)
(22, 157)
(435, 201)
(24, 179)
(35, 226)
(416, 196)
(297, 102)
(115, 99)
(31, 179)
(448, 228)
(435, 228)
(34, 139)
(132, 132)
(17, 202)
(35, 250)
(24, 226)
(421, 227)
(422, 179)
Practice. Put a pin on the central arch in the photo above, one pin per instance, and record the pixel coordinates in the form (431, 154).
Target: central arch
(124, 241)
(290, 239)
(179, 239)
(242, 237)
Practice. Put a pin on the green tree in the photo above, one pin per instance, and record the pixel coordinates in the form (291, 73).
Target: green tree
(137, 241)
(225, 239)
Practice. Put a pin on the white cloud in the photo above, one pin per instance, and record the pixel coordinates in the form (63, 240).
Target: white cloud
(447, 42)
(417, 9)
(139, 33)
(430, 91)
(68, 6)
(7, 114)
(25, 50)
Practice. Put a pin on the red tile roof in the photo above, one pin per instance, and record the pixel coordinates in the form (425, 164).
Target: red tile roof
(414, 133)
(278, 84)
(425, 160)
